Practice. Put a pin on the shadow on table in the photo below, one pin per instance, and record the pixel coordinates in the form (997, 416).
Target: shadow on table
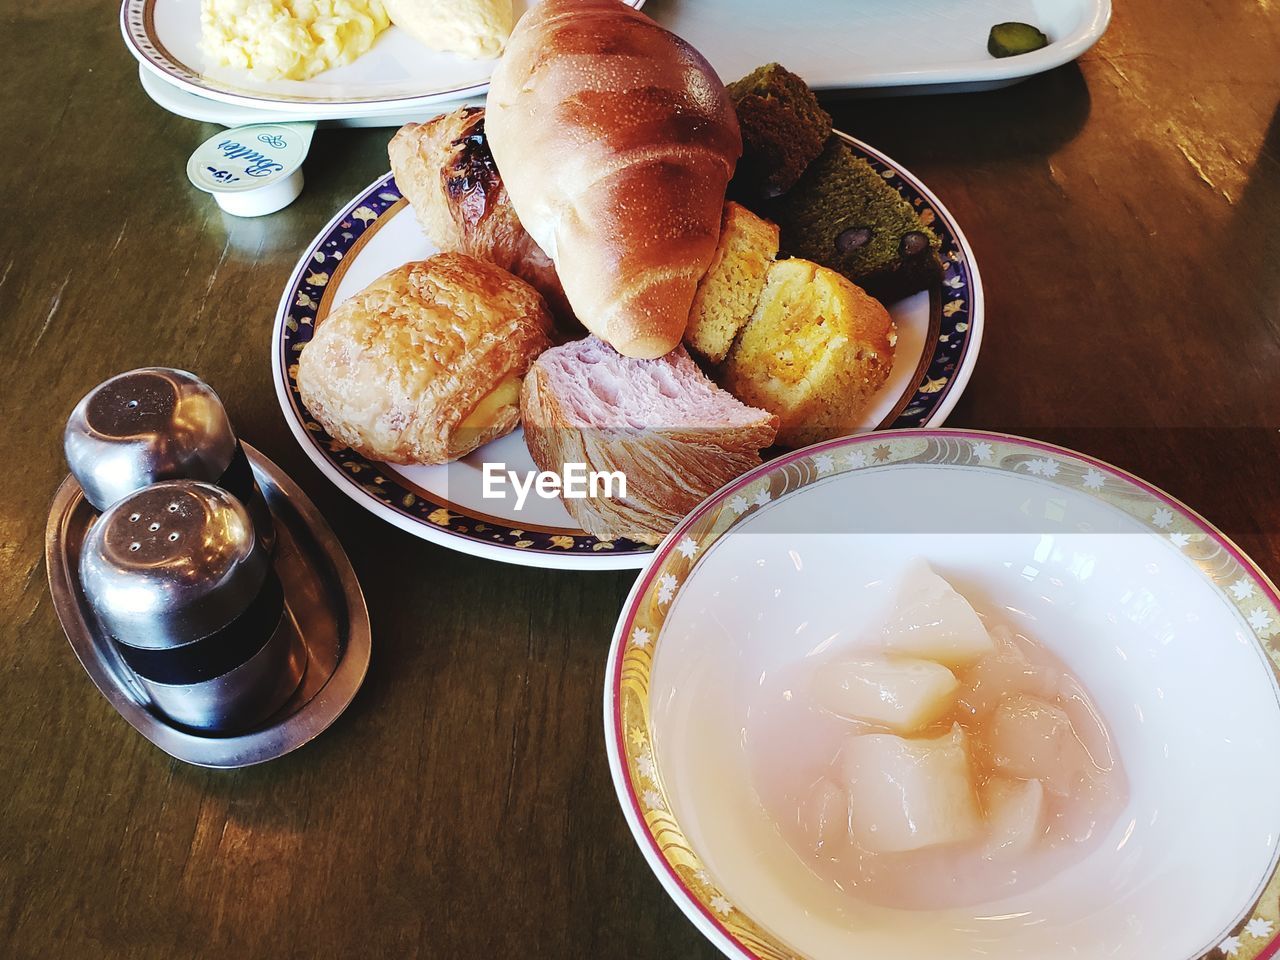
(1031, 118)
(1252, 238)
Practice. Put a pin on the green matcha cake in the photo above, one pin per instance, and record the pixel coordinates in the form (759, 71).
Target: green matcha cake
(843, 215)
(783, 130)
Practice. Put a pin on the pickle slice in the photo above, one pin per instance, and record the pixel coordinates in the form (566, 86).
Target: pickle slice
(1011, 39)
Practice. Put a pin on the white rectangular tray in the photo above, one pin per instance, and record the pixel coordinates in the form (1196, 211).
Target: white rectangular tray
(862, 47)
(882, 46)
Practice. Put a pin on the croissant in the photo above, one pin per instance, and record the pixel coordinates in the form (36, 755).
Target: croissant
(616, 141)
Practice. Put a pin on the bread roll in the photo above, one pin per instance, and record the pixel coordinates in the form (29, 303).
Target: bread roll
(616, 141)
(424, 364)
(673, 434)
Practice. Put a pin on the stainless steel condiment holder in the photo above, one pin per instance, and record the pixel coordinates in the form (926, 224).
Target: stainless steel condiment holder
(318, 648)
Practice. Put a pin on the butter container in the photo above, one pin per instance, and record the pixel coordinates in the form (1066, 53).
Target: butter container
(253, 170)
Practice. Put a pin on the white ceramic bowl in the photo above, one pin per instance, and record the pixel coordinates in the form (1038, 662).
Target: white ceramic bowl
(1165, 621)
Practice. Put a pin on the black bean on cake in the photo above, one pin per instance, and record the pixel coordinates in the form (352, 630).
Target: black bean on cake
(783, 129)
(843, 215)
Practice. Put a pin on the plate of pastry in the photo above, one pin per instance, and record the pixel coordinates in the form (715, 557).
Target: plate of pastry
(322, 59)
(562, 321)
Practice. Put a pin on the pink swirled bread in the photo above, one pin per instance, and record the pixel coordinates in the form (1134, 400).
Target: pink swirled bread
(674, 434)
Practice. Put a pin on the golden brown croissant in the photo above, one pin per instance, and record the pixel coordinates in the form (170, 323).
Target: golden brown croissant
(424, 365)
(616, 141)
(445, 170)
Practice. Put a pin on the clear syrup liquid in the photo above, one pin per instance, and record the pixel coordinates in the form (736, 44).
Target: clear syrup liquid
(792, 745)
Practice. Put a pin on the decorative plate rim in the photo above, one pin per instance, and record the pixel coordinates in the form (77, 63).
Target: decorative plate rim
(628, 735)
(957, 309)
(138, 29)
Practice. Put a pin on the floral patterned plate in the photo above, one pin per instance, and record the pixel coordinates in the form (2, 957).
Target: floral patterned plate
(939, 333)
(1175, 633)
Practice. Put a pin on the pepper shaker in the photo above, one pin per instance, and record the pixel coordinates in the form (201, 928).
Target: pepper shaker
(153, 424)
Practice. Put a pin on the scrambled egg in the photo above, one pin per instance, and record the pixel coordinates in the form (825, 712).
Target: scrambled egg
(288, 39)
(477, 29)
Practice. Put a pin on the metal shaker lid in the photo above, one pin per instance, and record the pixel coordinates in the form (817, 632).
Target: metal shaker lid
(172, 563)
(143, 426)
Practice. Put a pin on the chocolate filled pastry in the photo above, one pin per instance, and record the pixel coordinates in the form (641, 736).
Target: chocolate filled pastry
(444, 169)
(425, 364)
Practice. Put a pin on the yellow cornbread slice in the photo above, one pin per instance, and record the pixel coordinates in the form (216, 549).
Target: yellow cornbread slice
(728, 291)
(814, 352)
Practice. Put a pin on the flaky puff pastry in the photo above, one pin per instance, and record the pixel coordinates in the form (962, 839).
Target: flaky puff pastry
(424, 365)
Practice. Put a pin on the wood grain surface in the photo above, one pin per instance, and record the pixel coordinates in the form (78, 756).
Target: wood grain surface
(1124, 212)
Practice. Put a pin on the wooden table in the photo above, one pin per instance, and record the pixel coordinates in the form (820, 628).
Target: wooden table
(1124, 212)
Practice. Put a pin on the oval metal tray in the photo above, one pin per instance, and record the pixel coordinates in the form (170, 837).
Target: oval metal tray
(322, 597)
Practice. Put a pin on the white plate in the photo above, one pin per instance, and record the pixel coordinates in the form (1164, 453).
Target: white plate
(1168, 625)
(882, 46)
(939, 333)
(397, 73)
(177, 101)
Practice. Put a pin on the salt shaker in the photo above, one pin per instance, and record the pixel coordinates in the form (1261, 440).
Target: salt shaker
(189, 596)
(153, 424)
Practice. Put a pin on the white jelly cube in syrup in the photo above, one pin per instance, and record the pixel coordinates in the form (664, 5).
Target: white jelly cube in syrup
(1004, 673)
(1015, 814)
(930, 620)
(903, 695)
(1031, 739)
(1088, 725)
(905, 794)
(824, 816)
